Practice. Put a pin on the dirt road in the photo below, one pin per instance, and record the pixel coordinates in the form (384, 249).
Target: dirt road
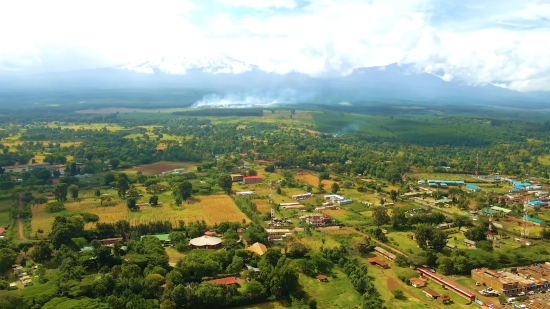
(20, 223)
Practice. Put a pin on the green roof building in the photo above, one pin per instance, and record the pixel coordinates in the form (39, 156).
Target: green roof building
(503, 210)
(536, 221)
(488, 211)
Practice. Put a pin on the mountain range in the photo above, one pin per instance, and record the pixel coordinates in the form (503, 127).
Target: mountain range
(223, 78)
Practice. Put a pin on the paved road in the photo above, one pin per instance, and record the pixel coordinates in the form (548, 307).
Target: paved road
(20, 223)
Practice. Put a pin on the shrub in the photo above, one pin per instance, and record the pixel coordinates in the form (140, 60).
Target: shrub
(55, 207)
(88, 217)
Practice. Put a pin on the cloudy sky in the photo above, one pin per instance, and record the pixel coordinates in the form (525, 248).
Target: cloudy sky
(504, 42)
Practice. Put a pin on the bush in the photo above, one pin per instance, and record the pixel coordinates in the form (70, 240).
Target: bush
(88, 217)
(297, 250)
(397, 293)
(55, 207)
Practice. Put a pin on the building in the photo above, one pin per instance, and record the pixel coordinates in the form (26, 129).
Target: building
(302, 196)
(236, 177)
(445, 183)
(418, 282)
(425, 273)
(430, 293)
(450, 247)
(503, 211)
(2, 230)
(205, 242)
(344, 201)
(319, 220)
(251, 179)
(333, 197)
(321, 278)
(378, 262)
(225, 281)
(384, 253)
(245, 193)
(446, 226)
(469, 243)
(536, 221)
(505, 283)
(445, 299)
(109, 241)
(16, 169)
(258, 248)
(473, 188)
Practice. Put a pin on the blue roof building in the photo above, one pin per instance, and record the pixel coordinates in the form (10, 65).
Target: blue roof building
(521, 185)
(473, 188)
(447, 182)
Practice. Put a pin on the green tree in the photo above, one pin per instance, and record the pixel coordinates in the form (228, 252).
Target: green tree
(270, 168)
(182, 190)
(114, 163)
(97, 193)
(254, 288)
(42, 251)
(438, 239)
(393, 195)
(397, 293)
(225, 183)
(154, 200)
(7, 259)
(131, 203)
(380, 216)
(399, 219)
(73, 189)
(41, 273)
(422, 234)
(60, 192)
(109, 178)
(122, 186)
(334, 188)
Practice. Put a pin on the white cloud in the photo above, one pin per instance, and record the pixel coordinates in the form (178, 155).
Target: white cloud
(262, 4)
(471, 41)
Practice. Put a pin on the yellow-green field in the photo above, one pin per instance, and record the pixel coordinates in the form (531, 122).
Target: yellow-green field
(213, 209)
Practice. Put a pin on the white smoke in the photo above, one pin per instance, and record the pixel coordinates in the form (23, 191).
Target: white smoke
(248, 100)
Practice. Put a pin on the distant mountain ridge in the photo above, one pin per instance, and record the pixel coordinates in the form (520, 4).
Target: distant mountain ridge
(220, 75)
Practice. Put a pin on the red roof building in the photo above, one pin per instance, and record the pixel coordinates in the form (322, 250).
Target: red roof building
(252, 179)
(378, 262)
(210, 233)
(2, 230)
(224, 281)
(319, 220)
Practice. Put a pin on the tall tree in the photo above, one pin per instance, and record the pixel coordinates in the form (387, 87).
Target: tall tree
(393, 195)
(334, 188)
(73, 189)
(60, 192)
(182, 190)
(122, 186)
(380, 216)
(225, 183)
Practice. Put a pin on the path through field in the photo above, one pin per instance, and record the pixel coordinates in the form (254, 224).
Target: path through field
(19, 220)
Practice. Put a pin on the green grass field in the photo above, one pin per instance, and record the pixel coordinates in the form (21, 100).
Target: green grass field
(336, 293)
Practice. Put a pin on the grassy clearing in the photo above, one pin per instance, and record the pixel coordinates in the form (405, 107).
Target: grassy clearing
(173, 255)
(336, 293)
(269, 305)
(441, 176)
(5, 207)
(211, 208)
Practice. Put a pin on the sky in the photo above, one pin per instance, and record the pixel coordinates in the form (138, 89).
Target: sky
(505, 43)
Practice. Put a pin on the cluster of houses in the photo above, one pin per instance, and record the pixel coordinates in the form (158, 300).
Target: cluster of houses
(319, 221)
(516, 280)
(246, 180)
(18, 169)
(22, 275)
(302, 196)
(335, 199)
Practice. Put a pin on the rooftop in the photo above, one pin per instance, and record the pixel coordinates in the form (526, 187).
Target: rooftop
(258, 248)
(205, 241)
(227, 281)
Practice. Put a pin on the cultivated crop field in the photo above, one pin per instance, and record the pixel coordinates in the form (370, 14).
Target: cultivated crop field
(211, 208)
(262, 206)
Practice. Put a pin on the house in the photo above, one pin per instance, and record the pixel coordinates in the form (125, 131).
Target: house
(445, 183)
(258, 248)
(2, 230)
(445, 226)
(385, 253)
(418, 282)
(450, 247)
(15, 169)
(236, 177)
(445, 299)
(251, 179)
(225, 281)
(302, 196)
(210, 233)
(378, 262)
(503, 211)
(322, 278)
(430, 293)
(469, 243)
(319, 220)
(344, 201)
(536, 221)
(473, 188)
(109, 241)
